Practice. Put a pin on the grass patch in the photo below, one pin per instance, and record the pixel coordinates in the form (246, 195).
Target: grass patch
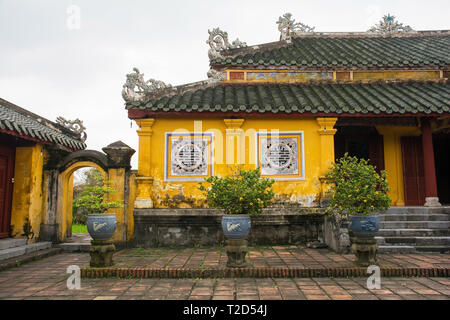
(79, 228)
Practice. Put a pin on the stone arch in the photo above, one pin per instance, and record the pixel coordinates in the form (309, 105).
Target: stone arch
(114, 164)
(65, 195)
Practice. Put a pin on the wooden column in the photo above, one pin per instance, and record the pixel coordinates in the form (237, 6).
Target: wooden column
(431, 195)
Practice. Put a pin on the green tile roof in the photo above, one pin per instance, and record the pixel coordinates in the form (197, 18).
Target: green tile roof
(318, 98)
(24, 123)
(361, 52)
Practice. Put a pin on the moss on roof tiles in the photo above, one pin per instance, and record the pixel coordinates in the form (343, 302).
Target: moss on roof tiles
(340, 52)
(398, 98)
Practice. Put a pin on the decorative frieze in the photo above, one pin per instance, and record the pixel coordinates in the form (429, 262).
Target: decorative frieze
(188, 157)
(388, 25)
(288, 27)
(136, 89)
(75, 126)
(280, 155)
(218, 42)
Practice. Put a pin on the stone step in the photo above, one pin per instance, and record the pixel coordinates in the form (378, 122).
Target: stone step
(414, 241)
(413, 249)
(414, 217)
(12, 243)
(418, 210)
(413, 232)
(18, 251)
(414, 224)
(74, 246)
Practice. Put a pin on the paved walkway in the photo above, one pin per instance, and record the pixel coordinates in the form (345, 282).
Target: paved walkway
(46, 279)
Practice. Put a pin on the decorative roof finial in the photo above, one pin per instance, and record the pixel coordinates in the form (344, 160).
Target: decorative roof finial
(288, 27)
(388, 25)
(75, 126)
(218, 41)
(144, 88)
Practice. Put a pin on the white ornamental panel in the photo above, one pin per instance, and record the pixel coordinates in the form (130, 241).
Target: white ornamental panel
(279, 156)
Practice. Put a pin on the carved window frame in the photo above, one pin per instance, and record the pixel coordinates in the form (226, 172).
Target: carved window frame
(207, 136)
(300, 153)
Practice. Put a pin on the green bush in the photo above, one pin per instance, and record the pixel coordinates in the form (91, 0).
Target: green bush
(243, 192)
(92, 199)
(356, 188)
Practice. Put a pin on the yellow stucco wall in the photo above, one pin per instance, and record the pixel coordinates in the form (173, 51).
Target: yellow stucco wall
(393, 159)
(27, 192)
(318, 152)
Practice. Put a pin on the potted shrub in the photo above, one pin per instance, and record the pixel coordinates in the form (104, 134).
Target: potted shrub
(359, 192)
(100, 225)
(241, 195)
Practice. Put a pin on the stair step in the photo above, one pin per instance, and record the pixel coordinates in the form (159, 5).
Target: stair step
(25, 249)
(413, 232)
(12, 243)
(420, 210)
(416, 241)
(413, 249)
(12, 252)
(414, 217)
(75, 247)
(414, 224)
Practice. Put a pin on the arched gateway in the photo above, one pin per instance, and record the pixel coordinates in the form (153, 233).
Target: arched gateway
(114, 165)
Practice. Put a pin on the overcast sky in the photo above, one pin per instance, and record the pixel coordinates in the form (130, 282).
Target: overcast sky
(53, 66)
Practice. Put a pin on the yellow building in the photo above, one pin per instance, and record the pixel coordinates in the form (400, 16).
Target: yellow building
(26, 141)
(292, 107)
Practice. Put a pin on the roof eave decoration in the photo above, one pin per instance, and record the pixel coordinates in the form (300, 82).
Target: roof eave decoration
(137, 90)
(75, 126)
(289, 28)
(218, 42)
(388, 26)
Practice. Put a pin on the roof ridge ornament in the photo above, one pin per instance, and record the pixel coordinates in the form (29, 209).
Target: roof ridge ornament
(288, 27)
(388, 25)
(144, 88)
(75, 126)
(218, 41)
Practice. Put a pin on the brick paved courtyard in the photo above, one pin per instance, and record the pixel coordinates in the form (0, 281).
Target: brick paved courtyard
(46, 279)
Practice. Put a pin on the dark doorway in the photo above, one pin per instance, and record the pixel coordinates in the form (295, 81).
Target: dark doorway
(441, 145)
(361, 142)
(7, 154)
(413, 171)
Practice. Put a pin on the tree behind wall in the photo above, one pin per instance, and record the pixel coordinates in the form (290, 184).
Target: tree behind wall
(82, 179)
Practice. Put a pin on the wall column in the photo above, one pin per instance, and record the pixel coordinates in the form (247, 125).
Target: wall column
(326, 133)
(234, 150)
(431, 195)
(144, 179)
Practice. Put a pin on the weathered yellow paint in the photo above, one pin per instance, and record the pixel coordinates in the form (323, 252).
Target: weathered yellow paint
(318, 147)
(354, 75)
(27, 198)
(326, 132)
(117, 179)
(130, 208)
(393, 159)
(391, 75)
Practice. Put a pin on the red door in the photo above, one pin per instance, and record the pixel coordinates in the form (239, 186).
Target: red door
(413, 172)
(6, 175)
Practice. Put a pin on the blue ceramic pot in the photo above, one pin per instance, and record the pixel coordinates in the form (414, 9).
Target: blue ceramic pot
(101, 226)
(364, 226)
(236, 226)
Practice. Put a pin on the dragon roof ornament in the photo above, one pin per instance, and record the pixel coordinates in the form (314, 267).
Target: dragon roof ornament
(75, 126)
(218, 42)
(288, 27)
(388, 25)
(144, 88)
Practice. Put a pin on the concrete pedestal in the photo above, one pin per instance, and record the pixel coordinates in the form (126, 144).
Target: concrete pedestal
(236, 252)
(101, 252)
(365, 250)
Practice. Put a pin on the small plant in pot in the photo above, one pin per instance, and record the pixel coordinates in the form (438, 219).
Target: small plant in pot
(241, 195)
(359, 192)
(100, 225)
